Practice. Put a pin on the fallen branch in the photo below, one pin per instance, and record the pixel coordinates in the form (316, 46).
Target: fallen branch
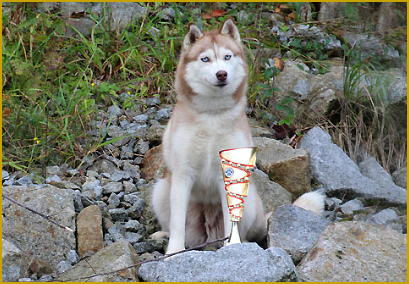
(36, 212)
(145, 261)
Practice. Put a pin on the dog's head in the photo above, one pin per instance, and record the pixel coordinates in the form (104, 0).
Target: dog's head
(212, 64)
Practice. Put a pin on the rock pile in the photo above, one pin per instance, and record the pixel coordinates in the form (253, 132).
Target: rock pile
(107, 203)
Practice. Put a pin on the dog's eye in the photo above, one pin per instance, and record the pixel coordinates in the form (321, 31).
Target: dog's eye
(227, 57)
(205, 59)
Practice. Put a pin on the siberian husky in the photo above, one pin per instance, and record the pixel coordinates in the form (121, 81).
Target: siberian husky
(211, 83)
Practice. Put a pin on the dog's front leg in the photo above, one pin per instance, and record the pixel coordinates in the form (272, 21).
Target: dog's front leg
(226, 214)
(179, 199)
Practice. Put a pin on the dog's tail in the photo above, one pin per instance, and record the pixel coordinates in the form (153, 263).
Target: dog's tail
(313, 201)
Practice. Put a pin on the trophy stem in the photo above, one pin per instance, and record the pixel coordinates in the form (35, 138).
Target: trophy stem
(234, 234)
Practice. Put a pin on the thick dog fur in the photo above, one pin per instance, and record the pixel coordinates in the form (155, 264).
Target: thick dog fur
(211, 82)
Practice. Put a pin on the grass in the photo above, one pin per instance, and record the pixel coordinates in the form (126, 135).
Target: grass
(54, 83)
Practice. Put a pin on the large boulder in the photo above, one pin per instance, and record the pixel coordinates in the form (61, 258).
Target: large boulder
(115, 257)
(295, 230)
(356, 252)
(315, 96)
(286, 166)
(370, 168)
(11, 261)
(246, 262)
(272, 194)
(340, 176)
(33, 235)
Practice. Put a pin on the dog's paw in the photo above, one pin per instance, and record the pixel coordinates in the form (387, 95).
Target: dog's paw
(159, 235)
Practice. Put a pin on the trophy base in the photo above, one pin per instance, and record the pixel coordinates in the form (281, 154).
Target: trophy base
(234, 234)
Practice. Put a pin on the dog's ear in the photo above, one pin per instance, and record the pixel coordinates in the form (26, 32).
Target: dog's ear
(229, 28)
(193, 34)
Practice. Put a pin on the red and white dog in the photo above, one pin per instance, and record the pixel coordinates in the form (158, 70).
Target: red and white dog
(211, 84)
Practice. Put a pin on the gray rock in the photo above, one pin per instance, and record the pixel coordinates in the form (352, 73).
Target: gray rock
(133, 237)
(114, 110)
(54, 180)
(46, 278)
(35, 236)
(11, 261)
(129, 187)
(273, 194)
(370, 45)
(295, 230)
(53, 170)
(113, 201)
(63, 266)
(340, 176)
(77, 201)
(4, 175)
(155, 132)
(163, 114)
(314, 96)
(25, 279)
(388, 18)
(150, 246)
(104, 166)
(331, 10)
(133, 198)
(118, 214)
(352, 206)
(135, 212)
(118, 176)
(370, 168)
(142, 147)
(133, 226)
(117, 132)
(131, 171)
(245, 262)
(356, 252)
(400, 177)
(137, 130)
(69, 185)
(25, 180)
(154, 101)
(302, 88)
(88, 198)
(91, 184)
(112, 187)
(141, 118)
(122, 14)
(167, 14)
(114, 257)
(126, 152)
(72, 257)
(387, 218)
(333, 203)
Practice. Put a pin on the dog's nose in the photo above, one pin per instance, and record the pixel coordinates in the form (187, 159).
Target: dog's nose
(221, 75)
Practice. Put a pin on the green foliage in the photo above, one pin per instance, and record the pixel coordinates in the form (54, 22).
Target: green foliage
(312, 52)
(284, 113)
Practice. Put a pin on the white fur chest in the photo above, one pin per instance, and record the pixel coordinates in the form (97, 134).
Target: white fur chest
(192, 148)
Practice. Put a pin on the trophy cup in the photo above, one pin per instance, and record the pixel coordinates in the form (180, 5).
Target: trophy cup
(236, 165)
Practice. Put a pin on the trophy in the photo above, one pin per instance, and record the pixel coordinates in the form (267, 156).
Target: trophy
(236, 165)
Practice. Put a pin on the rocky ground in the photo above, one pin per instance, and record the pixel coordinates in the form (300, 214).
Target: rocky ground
(361, 236)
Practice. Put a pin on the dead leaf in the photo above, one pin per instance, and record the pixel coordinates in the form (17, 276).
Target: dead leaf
(217, 13)
(6, 112)
(278, 63)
